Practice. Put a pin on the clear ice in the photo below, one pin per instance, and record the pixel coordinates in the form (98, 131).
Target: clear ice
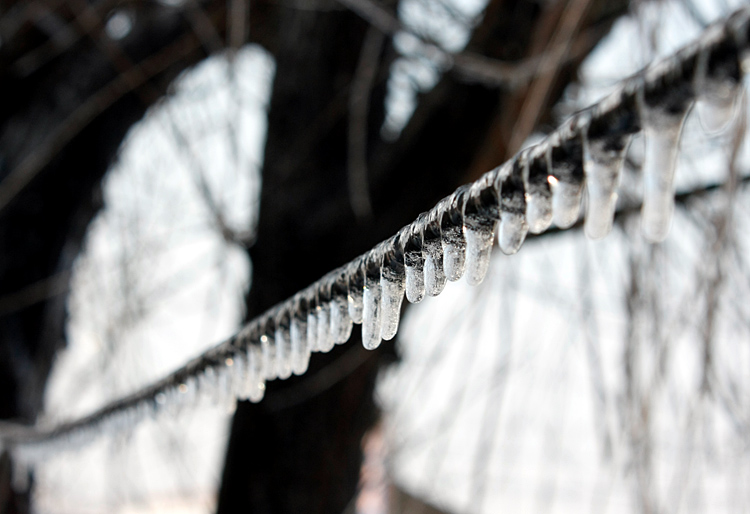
(255, 383)
(566, 202)
(341, 323)
(371, 315)
(662, 139)
(355, 304)
(415, 282)
(434, 276)
(538, 194)
(602, 162)
(325, 340)
(312, 330)
(283, 353)
(716, 111)
(718, 83)
(539, 212)
(511, 232)
(239, 378)
(300, 352)
(454, 253)
(513, 226)
(479, 241)
(392, 295)
(268, 352)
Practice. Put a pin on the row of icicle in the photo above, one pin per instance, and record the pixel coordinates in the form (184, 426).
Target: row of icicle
(542, 185)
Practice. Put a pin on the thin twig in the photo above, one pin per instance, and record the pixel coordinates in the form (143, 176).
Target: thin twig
(359, 105)
(36, 159)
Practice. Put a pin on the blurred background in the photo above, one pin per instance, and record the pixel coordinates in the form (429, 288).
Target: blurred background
(171, 168)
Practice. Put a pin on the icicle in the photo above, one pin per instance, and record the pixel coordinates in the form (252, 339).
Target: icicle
(603, 162)
(226, 397)
(432, 250)
(663, 109)
(605, 138)
(207, 390)
(718, 78)
(238, 381)
(255, 386)
(300, 352)
(268, 352)
(538, 191)
(717, 112)
(453, 241)
(324, 339)
(283, 351)
(565, 158)
(392, 286)
(513, 227)
(341, 323)
(481, 215)
(356, 290)
(224, 383)
(371, 314)
(414, 261)
(312, 329)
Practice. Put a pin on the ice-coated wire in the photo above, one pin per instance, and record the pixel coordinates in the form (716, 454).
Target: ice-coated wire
(538, 186)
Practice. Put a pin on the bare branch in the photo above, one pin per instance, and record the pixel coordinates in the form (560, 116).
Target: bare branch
(359, 103)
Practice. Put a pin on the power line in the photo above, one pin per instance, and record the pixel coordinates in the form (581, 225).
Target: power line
(541, 184)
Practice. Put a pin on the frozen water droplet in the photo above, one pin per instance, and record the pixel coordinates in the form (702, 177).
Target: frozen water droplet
(371, 315)
(662, 138)
(414, 262)
(452, 234)
(565, 158)
(717, 81)
(663, 111)
(481, 215)
(325, 341)
(239, 374)
(511, 232)
(658, 181)
(454, 252)
(355, 306)
(312, 330)
(341, 323)
(283, 351)
(392, 294)
(268, 351)
(300, 357)
(539, 212)
(566, 202)
(716, 113)
(478, 250)
(513, 226)
(356, 290)
(538, 194)
(255, 383)
(434, 276)
(603, 162)
(415, 282)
